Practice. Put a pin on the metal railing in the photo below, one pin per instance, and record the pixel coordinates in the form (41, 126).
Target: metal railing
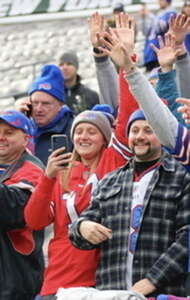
(33, 65)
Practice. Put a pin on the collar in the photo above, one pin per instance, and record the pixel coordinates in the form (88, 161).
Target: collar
(13, 167)
(166, 161)
(61, 115)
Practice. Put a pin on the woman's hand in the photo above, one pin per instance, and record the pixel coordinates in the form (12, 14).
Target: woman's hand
(57, 161)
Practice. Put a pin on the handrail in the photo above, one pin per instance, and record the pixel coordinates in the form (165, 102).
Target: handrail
(18, 95)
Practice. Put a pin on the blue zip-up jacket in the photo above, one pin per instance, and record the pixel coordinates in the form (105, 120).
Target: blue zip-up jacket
(61, 124)
(159, 27)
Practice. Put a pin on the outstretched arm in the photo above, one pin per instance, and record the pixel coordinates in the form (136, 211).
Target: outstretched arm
(107, 76)
(127, 102)
(163, 122)
(179, 26)
(159, 116)
(108, 83)
(167, 86)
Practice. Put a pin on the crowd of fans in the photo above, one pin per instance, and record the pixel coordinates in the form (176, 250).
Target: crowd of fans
(113, 203)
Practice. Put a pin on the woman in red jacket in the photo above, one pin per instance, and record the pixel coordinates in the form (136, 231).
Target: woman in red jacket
(63, 193)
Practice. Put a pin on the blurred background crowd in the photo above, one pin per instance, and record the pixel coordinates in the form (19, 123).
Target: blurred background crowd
(33, 33)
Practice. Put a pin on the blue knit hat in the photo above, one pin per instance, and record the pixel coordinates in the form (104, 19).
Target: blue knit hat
(136, 115)
(17, 119)
(50, 81)
(107, 110)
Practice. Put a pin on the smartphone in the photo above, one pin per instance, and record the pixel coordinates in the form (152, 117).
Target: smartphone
(29, 112)
(59, 141)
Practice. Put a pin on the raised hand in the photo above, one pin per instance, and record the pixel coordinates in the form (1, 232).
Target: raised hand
(184, 109)
(167, 53)
(125, 29)
(97, 26)
(179, 26)
(113, 46)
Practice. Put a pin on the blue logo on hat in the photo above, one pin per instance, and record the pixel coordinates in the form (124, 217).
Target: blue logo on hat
(50, 81)
(45, 86)
(17, 120)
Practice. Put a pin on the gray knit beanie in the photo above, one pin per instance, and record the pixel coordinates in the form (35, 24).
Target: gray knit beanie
(95, 118)
(69, 57)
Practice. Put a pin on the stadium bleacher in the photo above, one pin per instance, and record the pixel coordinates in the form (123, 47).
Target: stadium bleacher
(28, 44)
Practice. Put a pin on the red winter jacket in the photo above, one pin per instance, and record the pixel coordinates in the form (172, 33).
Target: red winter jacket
(21, 259)
(69, 266)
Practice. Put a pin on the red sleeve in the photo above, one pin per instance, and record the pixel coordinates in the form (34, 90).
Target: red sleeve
(116, 155)
(38, 212)
(127, 105)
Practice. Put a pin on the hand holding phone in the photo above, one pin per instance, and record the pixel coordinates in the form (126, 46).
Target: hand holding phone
(58, 141)
(24, 105)
(29, 111)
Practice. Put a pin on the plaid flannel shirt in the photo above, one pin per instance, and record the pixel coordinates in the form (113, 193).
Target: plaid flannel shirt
(162, 246)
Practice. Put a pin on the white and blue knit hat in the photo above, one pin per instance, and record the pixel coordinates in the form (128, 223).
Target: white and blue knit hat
(95, 118)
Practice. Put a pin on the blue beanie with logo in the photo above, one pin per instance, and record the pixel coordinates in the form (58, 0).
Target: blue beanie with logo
(107, 110)
(50, 81)
(136, 115)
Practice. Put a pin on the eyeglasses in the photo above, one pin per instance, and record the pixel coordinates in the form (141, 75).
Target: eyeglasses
(45, 104)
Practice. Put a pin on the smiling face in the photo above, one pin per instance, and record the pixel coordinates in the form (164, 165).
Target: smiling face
(143, 142)
(88, 142)
(12, 143)
(44, 107)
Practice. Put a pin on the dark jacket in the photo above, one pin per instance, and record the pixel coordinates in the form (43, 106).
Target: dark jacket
(80, 97)
(42, 135)
(162, 245)
(21, 258)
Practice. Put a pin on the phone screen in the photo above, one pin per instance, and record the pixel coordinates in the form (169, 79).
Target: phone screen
(59, 141)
